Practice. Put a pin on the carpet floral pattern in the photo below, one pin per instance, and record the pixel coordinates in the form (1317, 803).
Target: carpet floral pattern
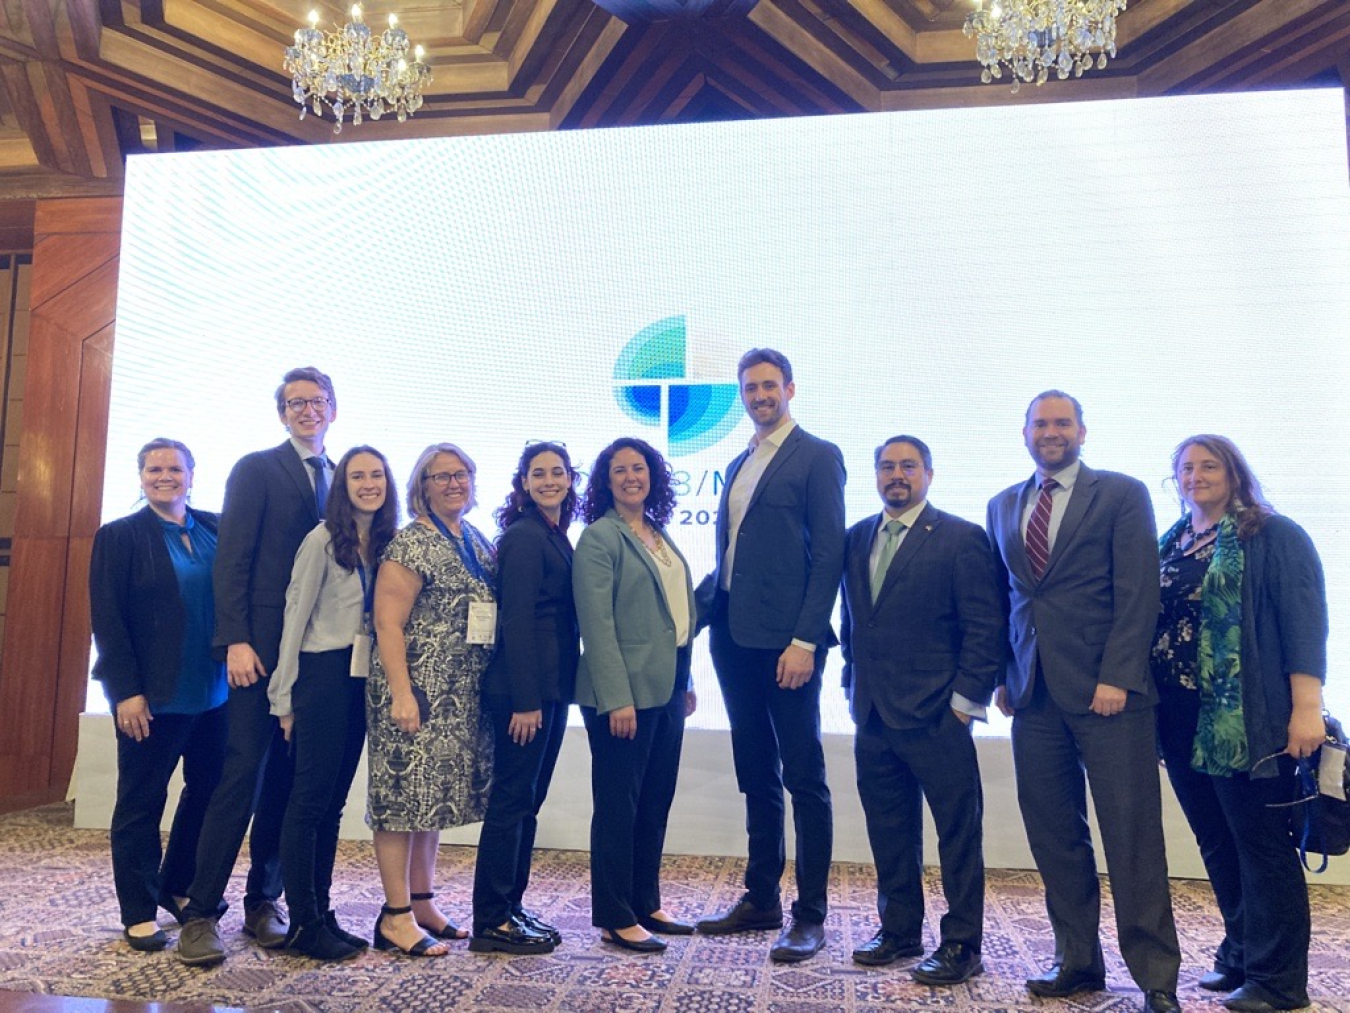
(59, 934)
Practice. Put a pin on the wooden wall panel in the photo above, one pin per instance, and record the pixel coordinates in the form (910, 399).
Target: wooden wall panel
(46, 650)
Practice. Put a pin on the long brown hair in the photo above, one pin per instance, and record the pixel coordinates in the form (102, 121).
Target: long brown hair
(1247, 503)
(340, 514)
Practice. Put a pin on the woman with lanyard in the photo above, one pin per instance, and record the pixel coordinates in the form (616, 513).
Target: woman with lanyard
(152, 609)
(318, 689)
(430, 744)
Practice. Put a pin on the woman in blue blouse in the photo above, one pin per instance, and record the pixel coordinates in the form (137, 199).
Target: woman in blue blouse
(152, 609)
(1239, 659)
(318, 690)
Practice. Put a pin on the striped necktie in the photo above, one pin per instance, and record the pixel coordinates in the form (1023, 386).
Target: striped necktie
(1038, 529)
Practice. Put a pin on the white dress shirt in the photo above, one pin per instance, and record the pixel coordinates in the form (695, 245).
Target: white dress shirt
(1059, 501)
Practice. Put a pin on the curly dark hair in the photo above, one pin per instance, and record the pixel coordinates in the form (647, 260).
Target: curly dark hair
(518, 500)
(660, 505)
(340, 514)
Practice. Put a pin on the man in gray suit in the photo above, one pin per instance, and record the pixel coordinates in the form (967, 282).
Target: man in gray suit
(1078, 553)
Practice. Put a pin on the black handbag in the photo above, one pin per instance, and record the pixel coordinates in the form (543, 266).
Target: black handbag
(1320, 817)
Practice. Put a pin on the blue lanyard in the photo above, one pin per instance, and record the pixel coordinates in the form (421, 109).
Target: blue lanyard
(464, 546)
(367, 593)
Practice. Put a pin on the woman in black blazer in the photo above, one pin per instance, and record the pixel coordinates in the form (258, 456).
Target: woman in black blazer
(152, 608)
(527, 690)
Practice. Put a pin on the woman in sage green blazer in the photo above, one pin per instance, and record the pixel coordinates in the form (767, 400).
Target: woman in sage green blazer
(635, 606)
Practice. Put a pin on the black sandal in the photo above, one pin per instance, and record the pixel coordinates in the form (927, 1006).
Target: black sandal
(447, 931)
(383, 942)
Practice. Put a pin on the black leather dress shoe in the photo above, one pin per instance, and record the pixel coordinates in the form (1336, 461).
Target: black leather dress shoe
(666, 928)
(531, 920)
(799, 941)
(1158, 1001)
(744, 917)
(950, 964)
(885, 948)
(1060, 982)
(1220, 981)
(517, 938)
(1249, 998)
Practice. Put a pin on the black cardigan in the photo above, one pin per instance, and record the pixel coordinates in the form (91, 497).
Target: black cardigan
(135, 608)
(1284, 630)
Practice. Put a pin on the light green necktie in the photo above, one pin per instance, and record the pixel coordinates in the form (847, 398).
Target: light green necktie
(888, 547)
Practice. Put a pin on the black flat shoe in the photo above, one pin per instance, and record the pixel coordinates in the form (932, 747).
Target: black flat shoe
(666, 928)
(635, 945)
(152, 943)
(317, 942)
(517, 938)
(383, 942)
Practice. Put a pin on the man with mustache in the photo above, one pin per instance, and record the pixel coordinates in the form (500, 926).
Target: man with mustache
(780, 552)
(924, 639)
(1078, 558)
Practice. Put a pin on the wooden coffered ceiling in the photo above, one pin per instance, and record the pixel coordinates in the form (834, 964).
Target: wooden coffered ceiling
(87, 82)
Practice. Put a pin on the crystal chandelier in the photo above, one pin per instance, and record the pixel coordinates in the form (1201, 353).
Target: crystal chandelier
(354, 72)
(1035, 38)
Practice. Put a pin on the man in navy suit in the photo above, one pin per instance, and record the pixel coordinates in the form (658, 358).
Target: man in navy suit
(923, 635)
(272, 500)
(780, 553)
(1078, 557)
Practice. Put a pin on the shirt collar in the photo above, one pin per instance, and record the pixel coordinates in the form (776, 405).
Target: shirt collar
(908, 518)
(305, 453)
(776, 437)
(1066, 477)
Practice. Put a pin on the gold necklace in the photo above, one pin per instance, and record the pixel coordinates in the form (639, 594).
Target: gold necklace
(657, 546)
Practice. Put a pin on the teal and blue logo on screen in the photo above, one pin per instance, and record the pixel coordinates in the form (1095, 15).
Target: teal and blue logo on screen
(651, 386)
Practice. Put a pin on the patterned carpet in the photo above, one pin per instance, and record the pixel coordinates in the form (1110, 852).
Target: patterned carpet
(59, 934)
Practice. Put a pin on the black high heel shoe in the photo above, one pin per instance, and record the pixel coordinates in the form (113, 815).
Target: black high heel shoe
(383, 942)
(447, 931)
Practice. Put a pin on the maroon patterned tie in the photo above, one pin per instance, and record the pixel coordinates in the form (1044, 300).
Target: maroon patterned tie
(1038, 529)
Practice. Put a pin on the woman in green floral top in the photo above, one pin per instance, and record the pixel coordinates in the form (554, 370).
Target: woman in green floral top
(1239, 659)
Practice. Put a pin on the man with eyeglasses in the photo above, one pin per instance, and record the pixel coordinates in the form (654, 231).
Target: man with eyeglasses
(923, 637)
(273, 498)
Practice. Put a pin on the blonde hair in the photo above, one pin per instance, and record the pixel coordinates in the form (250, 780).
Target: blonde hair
(417, 497)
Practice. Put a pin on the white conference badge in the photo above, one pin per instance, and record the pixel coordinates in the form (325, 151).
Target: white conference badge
(362, 648)
(482, 623)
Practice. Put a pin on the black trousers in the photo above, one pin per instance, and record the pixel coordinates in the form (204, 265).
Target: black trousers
(143, 772)
(255, 784)
(326, 740)
(632, 787)
(775, 743)
(1249, 856)
(897, 770)
(520, 779)
(1052, 751)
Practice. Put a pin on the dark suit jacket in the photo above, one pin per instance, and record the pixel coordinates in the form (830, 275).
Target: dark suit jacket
(790, 553)
(1091, 617)
(936, 628)
(269, 508)
(538, 643)
(136, 609)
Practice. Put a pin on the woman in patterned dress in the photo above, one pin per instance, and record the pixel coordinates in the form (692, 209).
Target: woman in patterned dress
(1239, 659)
(430, 746)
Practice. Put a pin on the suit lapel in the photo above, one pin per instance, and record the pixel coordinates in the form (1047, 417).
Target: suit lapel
(638, 547)
(298, 471)
(723, 508)
(1017, 558)
(915, 538)
(790, 444)
(859, 569)
(1084, 491)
